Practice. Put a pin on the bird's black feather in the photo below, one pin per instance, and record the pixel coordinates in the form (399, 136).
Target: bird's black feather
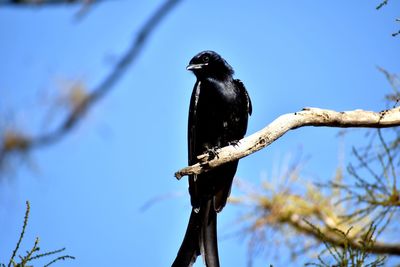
(218, 115)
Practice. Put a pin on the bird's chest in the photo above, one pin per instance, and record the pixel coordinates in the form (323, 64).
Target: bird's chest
(214, 112)
(215, 100)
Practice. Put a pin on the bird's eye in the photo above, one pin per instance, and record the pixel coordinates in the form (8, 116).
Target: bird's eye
(206, 59)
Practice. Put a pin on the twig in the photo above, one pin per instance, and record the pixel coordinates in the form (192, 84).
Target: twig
(21, 235)
(60, 258)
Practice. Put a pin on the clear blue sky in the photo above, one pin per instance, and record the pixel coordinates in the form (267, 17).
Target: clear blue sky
(87, 191)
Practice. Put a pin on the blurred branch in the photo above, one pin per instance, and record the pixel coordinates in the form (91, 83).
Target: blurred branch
(48, 2)
(86, 5)
(20, 143)
(383, 3)
(372, 195)
(306, 117)
(349, 256)
(302, 214)
(333, 237)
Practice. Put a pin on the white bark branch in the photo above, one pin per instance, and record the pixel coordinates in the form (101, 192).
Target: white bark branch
(306, 117)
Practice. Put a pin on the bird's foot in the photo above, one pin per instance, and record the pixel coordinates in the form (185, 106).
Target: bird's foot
(212, 153)
(209, 154)
(234, 143)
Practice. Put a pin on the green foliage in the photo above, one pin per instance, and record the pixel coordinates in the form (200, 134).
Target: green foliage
(33, 253)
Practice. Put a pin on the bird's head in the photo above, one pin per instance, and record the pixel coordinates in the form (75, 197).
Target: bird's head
(209, 64)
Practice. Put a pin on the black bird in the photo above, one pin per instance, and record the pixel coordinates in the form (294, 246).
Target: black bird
(218, 115)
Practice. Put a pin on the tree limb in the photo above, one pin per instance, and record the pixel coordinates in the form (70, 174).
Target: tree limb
(306, 117)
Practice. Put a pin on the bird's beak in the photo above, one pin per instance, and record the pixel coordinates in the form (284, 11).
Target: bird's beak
(196, 66)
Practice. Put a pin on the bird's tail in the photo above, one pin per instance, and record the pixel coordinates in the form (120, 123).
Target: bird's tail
(208, 235)
(200, 238)
(189, 249)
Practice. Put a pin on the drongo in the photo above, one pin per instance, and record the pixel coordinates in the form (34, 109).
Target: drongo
(218, 115)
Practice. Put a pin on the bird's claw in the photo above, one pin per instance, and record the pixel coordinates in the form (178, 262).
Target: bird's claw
(209, 154)
(212, 153)
(234, 143)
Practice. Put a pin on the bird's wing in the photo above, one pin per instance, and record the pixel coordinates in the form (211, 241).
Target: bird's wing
(192, 123)
(243, 90)
(189, 249)
(193, 187)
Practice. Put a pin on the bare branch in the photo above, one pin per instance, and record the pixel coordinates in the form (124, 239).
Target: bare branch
(48, 2)
(306, 117)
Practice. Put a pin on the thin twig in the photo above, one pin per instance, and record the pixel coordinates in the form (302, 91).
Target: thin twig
(21, 235)
(59, 258)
